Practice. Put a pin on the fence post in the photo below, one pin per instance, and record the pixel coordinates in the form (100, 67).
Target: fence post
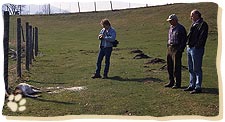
(6, 48)
(30, 44)
(78, 6)
(27, 47)
(111, 5)
(36, 42)
(95, 6)
(20, 7)
(49, 9)
(19, 47)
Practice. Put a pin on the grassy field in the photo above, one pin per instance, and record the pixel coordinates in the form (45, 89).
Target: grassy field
(68, 52)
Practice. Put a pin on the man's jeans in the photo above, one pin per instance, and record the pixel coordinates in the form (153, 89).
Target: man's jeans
(107, 53)
(195, 56)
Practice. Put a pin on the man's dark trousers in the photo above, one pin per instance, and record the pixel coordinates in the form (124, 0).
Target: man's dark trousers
(174, 65)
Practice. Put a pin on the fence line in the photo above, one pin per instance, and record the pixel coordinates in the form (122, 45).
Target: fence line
(31, 46)
(53, 8)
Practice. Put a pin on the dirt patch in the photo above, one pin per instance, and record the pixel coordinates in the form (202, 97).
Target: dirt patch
(136, 51)
(164, 67)
(86, 52)
(141, 56)
(156, 61)
(154, 70)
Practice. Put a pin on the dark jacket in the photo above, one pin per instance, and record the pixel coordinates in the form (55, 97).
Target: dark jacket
(198, 34)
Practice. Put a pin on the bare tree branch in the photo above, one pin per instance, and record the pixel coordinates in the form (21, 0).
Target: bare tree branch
(14, 9)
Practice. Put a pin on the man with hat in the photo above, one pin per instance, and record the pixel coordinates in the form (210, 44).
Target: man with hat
(177, 37)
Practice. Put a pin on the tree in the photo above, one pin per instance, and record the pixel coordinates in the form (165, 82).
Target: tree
(13, 9)
(46, 9)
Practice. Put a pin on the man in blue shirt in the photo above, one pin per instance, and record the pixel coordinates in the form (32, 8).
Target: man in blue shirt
(195, 50)
(106, 36)
(177, 38)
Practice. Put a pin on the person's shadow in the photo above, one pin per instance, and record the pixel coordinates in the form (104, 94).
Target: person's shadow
(151, 79)
(210, 91)
(53, 101)
(148, 79)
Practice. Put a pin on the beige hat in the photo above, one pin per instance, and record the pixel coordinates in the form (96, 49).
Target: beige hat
(171, 17)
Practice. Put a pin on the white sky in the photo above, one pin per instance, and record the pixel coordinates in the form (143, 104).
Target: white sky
(219, 2)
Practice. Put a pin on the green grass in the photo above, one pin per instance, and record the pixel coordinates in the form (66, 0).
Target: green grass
(69, 48)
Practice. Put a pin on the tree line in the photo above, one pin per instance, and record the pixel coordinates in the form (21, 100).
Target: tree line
(14, 9)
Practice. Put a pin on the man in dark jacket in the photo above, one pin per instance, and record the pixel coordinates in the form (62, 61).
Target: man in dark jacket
(195, 50)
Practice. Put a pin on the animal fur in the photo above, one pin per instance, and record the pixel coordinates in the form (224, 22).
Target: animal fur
(27, 90)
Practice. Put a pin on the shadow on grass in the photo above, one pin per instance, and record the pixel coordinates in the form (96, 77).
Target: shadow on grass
(54, 101)
(210, 91)
(32, 81)
(149, 79)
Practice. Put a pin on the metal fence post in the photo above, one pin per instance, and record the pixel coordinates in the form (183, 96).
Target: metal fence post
(6, 48)
(27, 47)
(111, 5)
(95, 7)
(36, 42)
(19, 47)
(30, 44)
(78, 6)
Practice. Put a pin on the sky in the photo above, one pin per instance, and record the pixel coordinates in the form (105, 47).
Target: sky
(154, 2)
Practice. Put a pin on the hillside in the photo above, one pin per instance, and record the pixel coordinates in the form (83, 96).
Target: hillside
(68, 52)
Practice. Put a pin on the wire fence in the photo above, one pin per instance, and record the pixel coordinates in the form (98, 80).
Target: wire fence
(70, 7)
